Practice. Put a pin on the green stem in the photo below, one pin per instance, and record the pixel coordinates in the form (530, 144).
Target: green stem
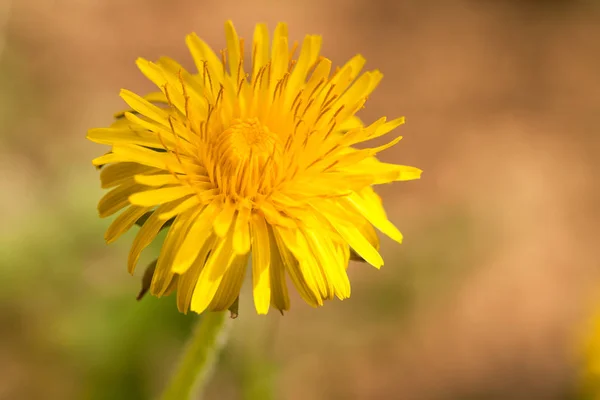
(208, 337)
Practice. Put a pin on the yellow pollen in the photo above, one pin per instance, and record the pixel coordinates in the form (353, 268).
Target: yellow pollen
(246, 153)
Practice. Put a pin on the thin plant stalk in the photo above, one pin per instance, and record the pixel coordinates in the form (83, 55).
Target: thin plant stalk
(199, 357)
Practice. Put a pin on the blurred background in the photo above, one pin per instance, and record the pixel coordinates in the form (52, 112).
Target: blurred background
(489, 296)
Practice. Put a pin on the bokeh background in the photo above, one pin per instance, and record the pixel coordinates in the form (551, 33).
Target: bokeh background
(487, 298)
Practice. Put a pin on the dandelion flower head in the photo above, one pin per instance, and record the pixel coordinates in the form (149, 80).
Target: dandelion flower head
(257, 167)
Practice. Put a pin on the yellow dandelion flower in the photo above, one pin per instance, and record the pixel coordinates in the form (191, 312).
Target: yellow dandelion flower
(587, 347)
(257, 166)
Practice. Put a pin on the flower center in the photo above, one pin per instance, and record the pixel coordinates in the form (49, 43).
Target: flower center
(246, 138)
(247, 151)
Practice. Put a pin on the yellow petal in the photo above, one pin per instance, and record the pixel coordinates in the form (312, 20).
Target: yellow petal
(320, 74)
(373, 215)
(241, 235)
(354, 66)
(380, 172)
(124, 222)
(152, 71)
(357, 135)
(231, 284)
(261, 260)
(350, 123)
(115, 174)
(145, 108)
(387, 127)
(279, 53)
(261, 48)
(200, 231)
(314, 272)
(177, 233)
(117, 198)
(147, 233)
(407, 173)
(233, 50)
(125, 135)
(306, 291)
(166, 82)
(359, 89)
(367, 230)
(183, 206)
(173, 283)
(332, 267)
(279, 291)
(176, 136)
(224, 219)
(159, 196)
(204, 57)
(359, 243)
(212, 274)
(308, 266)
(107, 158)
(154, 97)
(308, 56)
(150, 158)
(158, 180)
(187, 281)
(274, 217)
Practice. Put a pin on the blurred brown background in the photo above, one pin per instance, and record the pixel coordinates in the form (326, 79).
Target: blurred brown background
(485, 299)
